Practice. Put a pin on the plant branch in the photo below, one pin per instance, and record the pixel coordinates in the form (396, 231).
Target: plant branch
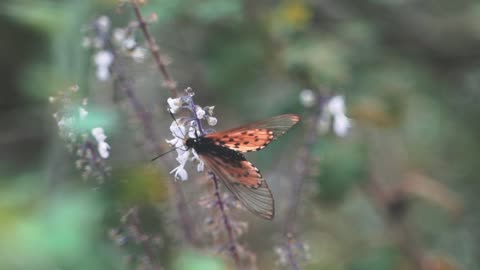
(226, 221)
(169, 82)
(303, 168)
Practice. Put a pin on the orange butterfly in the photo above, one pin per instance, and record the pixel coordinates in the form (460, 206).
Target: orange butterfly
(222, 153)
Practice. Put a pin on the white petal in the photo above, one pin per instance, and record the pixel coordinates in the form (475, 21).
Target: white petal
(138, 54)
(103, 73)
(191, 132)
(336, 105)
(103, 59)
(174, 104)
(103, 23)
(199, 112)
(82, 112)
(99, 134)
(200, 166)
(178, 131)
(173, 142)
(119, 34)
(180, 173)
(212, 121)
(103, 148)
(209, 109)
(129, 43)
(341, 125)
(307, 98)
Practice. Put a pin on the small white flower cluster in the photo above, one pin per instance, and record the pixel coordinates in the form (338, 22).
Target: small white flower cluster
(125, 39)
(89, 145)
(299, 249)
(103, 58)
(100, 40)
(333, 114)
(100, 137)
(187, 127)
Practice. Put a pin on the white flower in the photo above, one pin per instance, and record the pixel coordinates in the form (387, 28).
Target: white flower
(307, 98)
(103, 60)
(212, 121)
(174, 104)
(200, 165)
(209, 109)
(119, 34)
(180, 173)
(183, 153)
(336, 105)
(82, 112)
(138, 54)
(103, 23)
(336, 108)
(182, 158)
(341, 125)
(200, 113)
(103, 147)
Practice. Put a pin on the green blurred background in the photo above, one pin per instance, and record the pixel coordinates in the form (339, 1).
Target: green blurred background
(409, 71)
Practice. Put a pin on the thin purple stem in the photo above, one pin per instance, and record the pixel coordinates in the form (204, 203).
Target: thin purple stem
(226, 221)
(198, 121)
(169, 82)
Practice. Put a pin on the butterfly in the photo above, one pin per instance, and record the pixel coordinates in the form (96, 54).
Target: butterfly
(222, 152)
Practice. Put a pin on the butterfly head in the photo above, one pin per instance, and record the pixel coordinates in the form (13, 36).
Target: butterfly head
(190, 142)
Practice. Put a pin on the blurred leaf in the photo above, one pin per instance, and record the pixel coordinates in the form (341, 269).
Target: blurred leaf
(387, 112)
(325, 59)
(197, 261)
(342, 165)
(291, 15)
(51, 231)
(380, 259)
(232, 54)
(44, 15)
(141, 184)
(208, 11)
(439, 263)
(166, 10)
(433, 191)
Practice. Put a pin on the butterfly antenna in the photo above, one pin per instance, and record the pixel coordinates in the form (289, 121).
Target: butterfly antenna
(161, 155)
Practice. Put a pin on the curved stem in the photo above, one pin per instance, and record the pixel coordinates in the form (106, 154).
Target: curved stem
(226, 222)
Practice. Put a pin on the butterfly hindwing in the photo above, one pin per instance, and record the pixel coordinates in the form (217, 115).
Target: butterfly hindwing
(254, 136)
(245, 182)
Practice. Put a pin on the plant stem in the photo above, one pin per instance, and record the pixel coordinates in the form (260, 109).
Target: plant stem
(303, 166)
(169, 82)
(226, 221)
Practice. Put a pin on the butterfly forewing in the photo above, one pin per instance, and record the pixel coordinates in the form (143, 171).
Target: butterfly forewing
(254, 136)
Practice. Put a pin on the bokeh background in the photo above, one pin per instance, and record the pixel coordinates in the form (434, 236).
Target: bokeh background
(409, 71)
